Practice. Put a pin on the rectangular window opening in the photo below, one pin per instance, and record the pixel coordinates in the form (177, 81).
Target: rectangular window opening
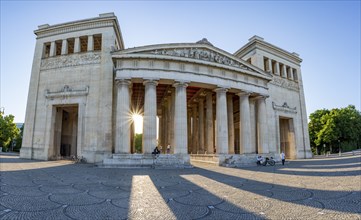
(46, 50)
(97, 42)
(58, 45)
(295, 76)
(84, 44)
(71, 45)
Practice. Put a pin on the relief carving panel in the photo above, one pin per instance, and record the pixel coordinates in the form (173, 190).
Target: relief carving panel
(70, 60)
(201, 54)
(285, 83)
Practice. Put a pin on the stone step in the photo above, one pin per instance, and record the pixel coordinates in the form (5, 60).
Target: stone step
(162, 161)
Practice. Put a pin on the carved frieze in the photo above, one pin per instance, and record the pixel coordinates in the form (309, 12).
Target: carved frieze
(285, 83)
(201, 54)
(284, 108)
(66, 91)
(70, 60)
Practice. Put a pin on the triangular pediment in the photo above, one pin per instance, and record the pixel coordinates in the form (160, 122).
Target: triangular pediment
(197, 52)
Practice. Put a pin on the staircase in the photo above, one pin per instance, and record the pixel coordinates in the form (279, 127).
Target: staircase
(162, 161)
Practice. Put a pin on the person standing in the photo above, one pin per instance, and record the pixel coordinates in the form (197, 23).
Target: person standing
(168, 149)
(283, 158)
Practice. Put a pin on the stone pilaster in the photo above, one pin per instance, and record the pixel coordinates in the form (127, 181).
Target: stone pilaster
(290, 73)
(64, 47)
(123, 117)
(150, 116)
(262, 129)
(245, 123)
(284, 71)
(209, 124)
(90, 43)
(180, 118)
(230, 123)
(269, 62)
(77, 45)
(52, 49)
(277, 68)
(221, 115)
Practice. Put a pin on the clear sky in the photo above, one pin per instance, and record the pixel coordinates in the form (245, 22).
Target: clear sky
(326, 34)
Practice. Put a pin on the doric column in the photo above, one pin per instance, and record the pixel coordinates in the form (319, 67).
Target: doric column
(230, 123)
(195, 130)
(122, 138)
(201, 125)
(222, 128)
(169, 120)
(262, 129)
(189, 129)
(165, 123)
(150, 116)
(245, 123)
(209, 123)
(252, 108)
(160, 130)
(77, 45)
(64, 47)
(277, 68)
(52, 49)
(90, 43)
(180, 118)
(172, 120)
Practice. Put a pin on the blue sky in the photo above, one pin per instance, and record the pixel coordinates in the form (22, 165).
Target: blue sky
(326, 34)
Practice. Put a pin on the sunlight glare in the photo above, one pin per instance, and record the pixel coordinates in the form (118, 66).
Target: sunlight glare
(138, 123)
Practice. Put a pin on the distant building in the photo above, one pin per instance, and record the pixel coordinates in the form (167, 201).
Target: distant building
(85, 85)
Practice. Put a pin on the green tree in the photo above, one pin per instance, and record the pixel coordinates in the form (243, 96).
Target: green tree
(314, 126)
(19, 139)
(339, 129)
(138, 142)
(8, 130)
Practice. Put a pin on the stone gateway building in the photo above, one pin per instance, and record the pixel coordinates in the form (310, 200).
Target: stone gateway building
(207, 104)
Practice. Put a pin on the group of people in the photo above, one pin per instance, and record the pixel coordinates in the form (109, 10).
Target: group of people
(157, 151)
(261, 160)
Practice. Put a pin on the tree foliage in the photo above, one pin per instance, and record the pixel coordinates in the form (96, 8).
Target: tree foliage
(138, 142)
(336, 129)
(8, 130)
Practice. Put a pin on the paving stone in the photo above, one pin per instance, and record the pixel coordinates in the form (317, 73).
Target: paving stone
(304, 189)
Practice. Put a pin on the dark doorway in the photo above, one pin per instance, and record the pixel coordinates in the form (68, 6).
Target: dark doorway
(66, 131)
(287, 138)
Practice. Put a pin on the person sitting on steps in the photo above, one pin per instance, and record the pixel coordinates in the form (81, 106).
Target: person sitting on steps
(156, 152)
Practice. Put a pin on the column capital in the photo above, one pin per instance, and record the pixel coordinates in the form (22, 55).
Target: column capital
(244, 93)
(221, 90)
(119, 81)
(151, 82)
(178, 84)
(261, 96)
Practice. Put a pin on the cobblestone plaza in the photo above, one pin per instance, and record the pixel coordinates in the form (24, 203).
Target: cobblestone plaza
(302, 189)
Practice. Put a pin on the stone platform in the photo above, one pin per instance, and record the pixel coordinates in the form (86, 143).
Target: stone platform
(161, 161)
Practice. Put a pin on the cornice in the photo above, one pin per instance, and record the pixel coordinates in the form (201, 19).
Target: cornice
(256, 43)
(93, 23)
(193, 53)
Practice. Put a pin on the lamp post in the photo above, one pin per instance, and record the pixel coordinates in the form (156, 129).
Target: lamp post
(339, 148)
(324, 149)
